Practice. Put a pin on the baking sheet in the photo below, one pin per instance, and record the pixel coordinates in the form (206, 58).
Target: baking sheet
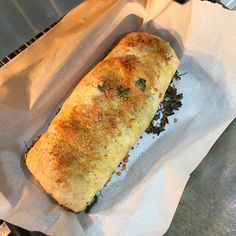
(143, 200)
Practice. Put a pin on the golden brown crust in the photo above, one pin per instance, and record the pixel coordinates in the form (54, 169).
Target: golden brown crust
(96, 126)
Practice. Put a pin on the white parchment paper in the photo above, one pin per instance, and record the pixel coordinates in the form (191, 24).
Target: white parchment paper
(32, 86)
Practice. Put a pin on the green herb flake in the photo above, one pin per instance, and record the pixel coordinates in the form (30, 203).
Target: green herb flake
(123, 92)
(170, 104)
(103, 87)
(141, 83)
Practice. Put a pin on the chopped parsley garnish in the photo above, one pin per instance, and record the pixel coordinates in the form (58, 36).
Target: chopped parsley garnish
(123, 92)
(141, 83)
(103, 87)
(171, 102)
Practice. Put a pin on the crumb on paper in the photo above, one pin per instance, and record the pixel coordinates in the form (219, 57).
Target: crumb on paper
(175, 120)
(118, 173)
(123, 167)
(126, 159)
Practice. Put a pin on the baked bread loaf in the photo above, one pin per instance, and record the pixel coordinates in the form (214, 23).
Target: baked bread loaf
(102, 119)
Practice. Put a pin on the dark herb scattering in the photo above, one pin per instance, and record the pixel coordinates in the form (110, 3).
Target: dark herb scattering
(171, 102)
(123, 92)
(141, 83)
(89, 207)
(177, 76)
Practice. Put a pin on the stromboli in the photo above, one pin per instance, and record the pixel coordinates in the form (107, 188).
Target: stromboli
(103, 117)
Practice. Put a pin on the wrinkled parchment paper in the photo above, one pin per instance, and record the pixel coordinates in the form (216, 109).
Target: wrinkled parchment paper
(143, 200)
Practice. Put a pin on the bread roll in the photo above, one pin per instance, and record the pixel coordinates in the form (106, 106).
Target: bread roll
(102, 118)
